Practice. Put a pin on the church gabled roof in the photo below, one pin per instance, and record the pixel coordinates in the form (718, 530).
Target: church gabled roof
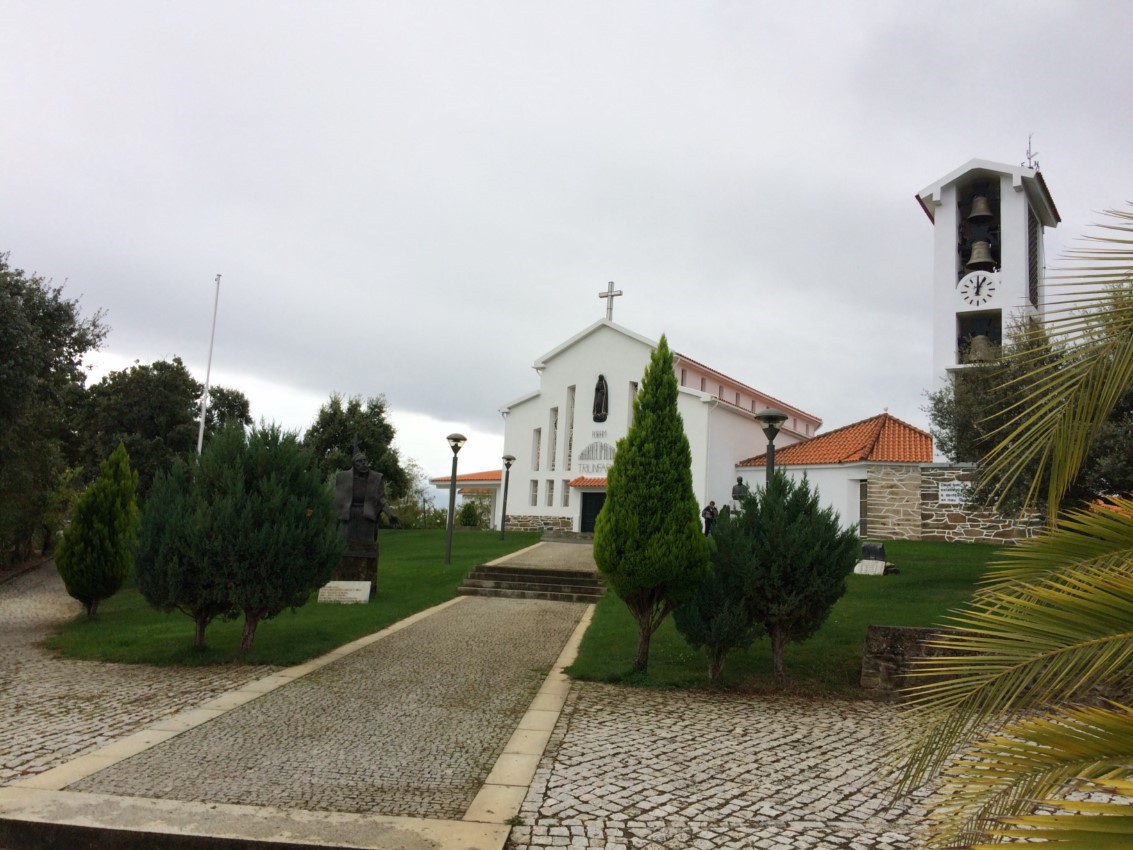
(585, 332)
(880, 439)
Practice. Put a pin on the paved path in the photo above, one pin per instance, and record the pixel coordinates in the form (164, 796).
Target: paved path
(52, 709)
(410, 725)
(630, 769)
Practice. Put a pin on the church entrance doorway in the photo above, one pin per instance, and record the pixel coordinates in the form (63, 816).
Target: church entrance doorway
(591, 505)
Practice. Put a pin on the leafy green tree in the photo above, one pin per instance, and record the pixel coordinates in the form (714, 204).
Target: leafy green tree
(717, 618)
(1013, 710)
(154, 410)
(647, 537)
(415, 508)
(250, 528)
(43, 338)
(469, 514)
(96, 552)
(226, 407)
(797, 558)
(970, 415)
(339, 427)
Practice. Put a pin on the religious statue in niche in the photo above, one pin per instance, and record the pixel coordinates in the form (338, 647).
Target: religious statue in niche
(359, 501)
(601, 399)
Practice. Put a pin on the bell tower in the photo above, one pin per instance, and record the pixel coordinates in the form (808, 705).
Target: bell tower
(988, 260)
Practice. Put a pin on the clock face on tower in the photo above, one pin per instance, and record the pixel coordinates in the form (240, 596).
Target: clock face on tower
(977, 288)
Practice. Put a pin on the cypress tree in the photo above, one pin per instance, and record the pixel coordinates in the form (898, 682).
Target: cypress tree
(96, 552)
(647, 537)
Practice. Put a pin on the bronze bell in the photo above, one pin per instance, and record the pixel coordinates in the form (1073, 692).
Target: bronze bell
(981, 258)
(981, 209)
(981, 350)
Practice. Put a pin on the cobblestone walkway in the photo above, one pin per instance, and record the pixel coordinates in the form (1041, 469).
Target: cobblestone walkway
(629, 769)
(409, 725)
(53, 709)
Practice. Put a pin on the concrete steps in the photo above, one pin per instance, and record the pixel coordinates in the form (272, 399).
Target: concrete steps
(533, 583)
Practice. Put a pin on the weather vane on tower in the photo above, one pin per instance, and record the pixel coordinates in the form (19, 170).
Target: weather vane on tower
(1031, 162)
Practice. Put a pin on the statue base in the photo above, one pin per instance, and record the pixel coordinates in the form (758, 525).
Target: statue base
(358, 563)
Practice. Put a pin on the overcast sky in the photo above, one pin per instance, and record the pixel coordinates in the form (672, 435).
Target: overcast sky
(418, 199)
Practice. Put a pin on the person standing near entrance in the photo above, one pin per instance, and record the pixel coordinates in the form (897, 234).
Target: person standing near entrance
(709, 514)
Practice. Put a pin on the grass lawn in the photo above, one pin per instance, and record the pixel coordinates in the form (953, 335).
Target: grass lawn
(934, 578)
(412, 576)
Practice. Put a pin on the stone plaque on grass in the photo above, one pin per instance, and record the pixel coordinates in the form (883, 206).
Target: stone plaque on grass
(345, 592)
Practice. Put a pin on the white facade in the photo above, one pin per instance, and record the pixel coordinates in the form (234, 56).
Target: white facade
(562, 454)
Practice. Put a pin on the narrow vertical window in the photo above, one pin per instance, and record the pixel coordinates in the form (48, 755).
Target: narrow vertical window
(566, 494)
(737, 399)
(534, 496)
(632, 397)
(570, 429)
(553, 444)
(536, 447)
(703, 385)
(550, 493)
(684, 377)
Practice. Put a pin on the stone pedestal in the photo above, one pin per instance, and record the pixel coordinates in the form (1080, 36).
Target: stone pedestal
(358, 563)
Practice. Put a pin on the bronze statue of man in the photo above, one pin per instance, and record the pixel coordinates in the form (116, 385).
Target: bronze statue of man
(359, 501)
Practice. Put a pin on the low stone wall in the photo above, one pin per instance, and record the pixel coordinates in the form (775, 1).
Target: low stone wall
(888, 655)
(528, 522)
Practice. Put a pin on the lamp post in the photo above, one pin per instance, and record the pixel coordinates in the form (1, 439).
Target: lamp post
(455, 441)
(508, 461)
(770, 420)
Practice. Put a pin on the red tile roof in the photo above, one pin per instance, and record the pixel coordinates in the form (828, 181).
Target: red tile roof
(583, 481)
(880, 439)
(490, 475)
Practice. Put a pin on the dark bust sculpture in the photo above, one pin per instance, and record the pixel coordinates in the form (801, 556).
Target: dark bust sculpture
(359, 501)
(739, 490)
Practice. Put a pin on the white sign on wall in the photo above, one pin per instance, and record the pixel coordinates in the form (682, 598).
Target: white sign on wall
(953, 492)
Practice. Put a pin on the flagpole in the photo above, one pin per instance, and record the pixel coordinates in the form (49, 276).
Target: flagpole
(208, 371)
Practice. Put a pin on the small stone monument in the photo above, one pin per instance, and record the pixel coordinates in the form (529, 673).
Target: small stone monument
(873, 561)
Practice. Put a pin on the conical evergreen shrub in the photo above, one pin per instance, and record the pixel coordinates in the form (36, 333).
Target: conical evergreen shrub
(96, 552)
(647, 538)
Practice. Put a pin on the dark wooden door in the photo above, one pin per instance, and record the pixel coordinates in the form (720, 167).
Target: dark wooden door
(591, 505)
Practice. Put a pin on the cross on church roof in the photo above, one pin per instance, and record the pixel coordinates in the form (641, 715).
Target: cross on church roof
(610, 294)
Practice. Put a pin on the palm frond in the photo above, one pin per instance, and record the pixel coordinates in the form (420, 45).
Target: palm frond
(1004, 774)
(1097, 535)
(1077, 824)
(1023, 646)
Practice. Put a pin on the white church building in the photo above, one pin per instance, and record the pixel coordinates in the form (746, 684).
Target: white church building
(563, 434)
